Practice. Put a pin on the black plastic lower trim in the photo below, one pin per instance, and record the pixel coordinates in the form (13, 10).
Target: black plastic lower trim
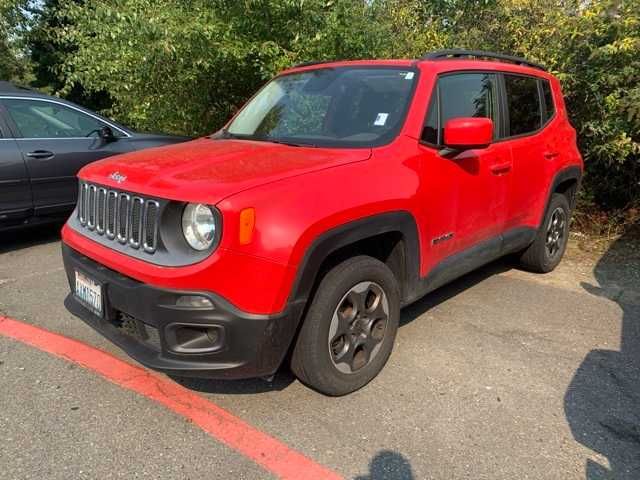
(413, 285)
(457, 265)
(573, 173)
(253, 345)
(336, 238)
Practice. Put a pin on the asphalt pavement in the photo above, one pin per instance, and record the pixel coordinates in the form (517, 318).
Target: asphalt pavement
(502, 374)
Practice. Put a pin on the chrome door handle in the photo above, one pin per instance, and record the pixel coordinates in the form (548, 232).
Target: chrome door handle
(40, 154)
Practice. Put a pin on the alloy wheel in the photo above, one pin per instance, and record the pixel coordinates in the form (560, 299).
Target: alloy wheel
(358, 327)
(556, 232)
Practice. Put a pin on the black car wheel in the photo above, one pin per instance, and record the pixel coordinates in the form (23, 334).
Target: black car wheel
(546, 252)
(350, 328)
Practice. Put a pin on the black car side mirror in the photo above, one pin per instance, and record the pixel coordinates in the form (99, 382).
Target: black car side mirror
(106, 134)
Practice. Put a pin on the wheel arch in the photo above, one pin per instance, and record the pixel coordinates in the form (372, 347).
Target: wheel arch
(567, 182)
(393, 235)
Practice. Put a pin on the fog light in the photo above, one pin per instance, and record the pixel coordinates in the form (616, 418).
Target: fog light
(194, 301)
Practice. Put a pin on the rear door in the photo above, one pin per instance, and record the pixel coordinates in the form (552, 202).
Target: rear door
(530, 145)
(15, 192)
(56, 141)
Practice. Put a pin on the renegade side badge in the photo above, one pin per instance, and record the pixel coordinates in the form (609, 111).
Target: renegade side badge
(442, 238)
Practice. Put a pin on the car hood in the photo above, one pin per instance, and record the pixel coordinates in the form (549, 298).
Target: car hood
(208, 170)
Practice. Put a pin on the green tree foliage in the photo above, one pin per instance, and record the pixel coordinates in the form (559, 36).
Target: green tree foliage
(48, 56)
(186, 66)
(14, 65)
(594, 48)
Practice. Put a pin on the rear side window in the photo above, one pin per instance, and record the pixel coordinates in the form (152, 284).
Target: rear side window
(550, 107)
(460, 95)
(523, 102)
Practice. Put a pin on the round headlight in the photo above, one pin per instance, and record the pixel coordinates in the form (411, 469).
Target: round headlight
(199, 226)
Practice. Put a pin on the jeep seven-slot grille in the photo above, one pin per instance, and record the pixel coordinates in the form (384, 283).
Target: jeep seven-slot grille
(120, 216)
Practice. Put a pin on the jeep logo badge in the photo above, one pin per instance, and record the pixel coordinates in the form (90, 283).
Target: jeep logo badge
(117, 177)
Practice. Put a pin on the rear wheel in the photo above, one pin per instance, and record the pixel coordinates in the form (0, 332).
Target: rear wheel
(546, 252)
(349, 330)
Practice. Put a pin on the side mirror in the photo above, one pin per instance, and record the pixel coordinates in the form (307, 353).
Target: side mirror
(466, 133)
(106, 134)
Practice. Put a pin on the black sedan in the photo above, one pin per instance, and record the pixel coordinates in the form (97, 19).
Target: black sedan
(44, 141)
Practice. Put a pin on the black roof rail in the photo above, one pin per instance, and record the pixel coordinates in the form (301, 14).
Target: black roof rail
(314, 62)
(480, 54)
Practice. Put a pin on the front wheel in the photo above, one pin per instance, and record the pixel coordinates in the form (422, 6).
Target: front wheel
(349, 330)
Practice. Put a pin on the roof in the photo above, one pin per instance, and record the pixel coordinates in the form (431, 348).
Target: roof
(450, 59)
(350, 63)
(8, 87)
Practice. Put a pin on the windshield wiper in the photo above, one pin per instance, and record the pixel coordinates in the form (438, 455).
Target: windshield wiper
(226, 135)
(286, 142)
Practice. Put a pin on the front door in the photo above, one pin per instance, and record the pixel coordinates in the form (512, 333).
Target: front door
(56, 141)
(15, 192)
(465, 194)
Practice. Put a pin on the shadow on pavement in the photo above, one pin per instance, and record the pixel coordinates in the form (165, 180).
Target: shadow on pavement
(602, 403)
(12, 240)
(284, 377)
(388, 465)
(282, 380)
(446, 292)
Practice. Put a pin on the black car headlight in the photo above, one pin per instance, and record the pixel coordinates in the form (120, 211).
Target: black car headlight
(200, 226)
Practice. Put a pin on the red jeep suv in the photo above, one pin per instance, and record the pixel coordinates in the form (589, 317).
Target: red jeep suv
(340, 193)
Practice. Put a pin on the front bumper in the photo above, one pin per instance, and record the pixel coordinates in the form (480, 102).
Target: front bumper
(146, 323)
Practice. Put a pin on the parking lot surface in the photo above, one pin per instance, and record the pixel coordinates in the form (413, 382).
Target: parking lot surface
(500, 375)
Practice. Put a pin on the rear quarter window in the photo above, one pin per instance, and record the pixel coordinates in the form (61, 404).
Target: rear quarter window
(549, 106)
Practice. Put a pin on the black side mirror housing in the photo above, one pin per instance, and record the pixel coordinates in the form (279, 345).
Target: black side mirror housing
(106, 134)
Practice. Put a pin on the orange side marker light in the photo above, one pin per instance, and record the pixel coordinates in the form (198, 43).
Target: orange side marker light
(247, 224)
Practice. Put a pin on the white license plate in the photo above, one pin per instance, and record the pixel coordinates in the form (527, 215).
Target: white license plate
(89, 293)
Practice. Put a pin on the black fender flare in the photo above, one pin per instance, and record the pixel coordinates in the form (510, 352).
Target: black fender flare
(349, 233)
(569, 173)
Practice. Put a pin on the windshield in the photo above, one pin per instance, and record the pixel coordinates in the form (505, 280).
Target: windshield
(340, 107)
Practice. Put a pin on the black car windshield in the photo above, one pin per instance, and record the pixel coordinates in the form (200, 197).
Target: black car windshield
(333, 107)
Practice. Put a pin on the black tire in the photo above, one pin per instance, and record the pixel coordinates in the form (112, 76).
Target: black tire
(325, 366)
(539, 257)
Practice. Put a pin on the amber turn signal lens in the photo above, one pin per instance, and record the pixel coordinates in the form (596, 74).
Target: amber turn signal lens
(247, 223)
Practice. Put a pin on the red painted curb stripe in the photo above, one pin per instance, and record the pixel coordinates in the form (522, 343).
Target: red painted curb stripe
(264, 450)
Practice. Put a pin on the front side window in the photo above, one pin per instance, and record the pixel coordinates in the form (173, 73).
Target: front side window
(460, 95)
(430, 130)
(42, 119)
(341, 107)
(523, 102)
